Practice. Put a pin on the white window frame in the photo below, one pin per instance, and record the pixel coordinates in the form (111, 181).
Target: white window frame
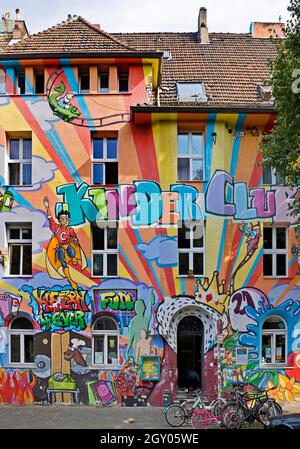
(106, 251)
(21, 161)
(274, 333)
(274, 251)
(106, 334)
(274, 181)
(192, 250)
(84, 91)
(105, 159)
(21, 333)
(190, 156)
(17, 242)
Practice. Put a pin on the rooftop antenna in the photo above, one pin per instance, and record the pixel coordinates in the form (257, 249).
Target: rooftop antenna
(280, 19)
(18, 14)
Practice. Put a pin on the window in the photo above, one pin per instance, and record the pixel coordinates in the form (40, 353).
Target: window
(270, 176)
(105, 341)
(84, 82)
(103, 82)
(105, 160)
(21, 342)
(191, 248)
(123, 76)
(190, 156)
(19, 239)
(2, 82)
(20, 83)
(20, 162)
(39, 82)
(273, 341)
(105, 249)
(275, 251)
(190, 92)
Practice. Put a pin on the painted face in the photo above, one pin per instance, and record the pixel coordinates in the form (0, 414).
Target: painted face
(64, 221)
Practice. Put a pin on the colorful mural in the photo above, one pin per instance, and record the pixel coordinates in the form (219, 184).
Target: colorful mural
(148, 297)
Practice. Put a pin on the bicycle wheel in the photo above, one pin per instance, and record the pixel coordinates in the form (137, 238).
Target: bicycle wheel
(267, 410)
(232, 416)
(175, 415)
(218, 406)
(203, 421)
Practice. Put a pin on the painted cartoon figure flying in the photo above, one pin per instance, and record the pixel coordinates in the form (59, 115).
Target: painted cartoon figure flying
(63, 247)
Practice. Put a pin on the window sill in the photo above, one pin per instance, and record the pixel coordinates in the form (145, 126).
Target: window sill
(105, 277)
(106, 367)
(277, 277)
(275, 366)
(189, 181)
(21, 365)
(196, 276)
(17, 276)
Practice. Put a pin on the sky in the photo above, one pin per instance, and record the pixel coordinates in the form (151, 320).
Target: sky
(149, 15)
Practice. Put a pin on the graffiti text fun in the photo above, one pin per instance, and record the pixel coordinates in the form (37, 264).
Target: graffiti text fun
(145, 204)
(116, 301)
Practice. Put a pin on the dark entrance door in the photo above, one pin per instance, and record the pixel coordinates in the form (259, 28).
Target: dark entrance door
(189, 352)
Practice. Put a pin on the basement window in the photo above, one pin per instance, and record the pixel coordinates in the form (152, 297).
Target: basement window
(191, 92)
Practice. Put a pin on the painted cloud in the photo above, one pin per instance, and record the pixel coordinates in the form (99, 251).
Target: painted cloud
(162, 249)
(43, 171)
(42, 113)
(40, 229)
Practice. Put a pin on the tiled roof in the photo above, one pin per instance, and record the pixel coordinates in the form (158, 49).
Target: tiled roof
(230, 65)
(74, 36)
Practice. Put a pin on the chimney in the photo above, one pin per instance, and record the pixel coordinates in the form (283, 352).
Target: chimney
(267, 29)
(202, 26)
(20, 30)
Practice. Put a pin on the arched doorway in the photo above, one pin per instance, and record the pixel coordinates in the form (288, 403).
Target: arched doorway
(189, 352)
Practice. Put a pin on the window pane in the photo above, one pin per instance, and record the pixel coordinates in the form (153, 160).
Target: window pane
(183, 169)
(27, 233)
(112, 264)
(26, 174)
(105, 324)
(14, 149)
(84, 82)
(267, 174)
(111, 173)
(97, 237)
(98, 148)
(21, 323)
(197, 169)
(183, 144)
(279, 179)
(21, 83)
(14, 234)
(267, 238)
(198, 237)
(112, 149)
(27, 149)
(99, 349)
(98, 264)
(280, 264)
(266, 349)
(14, 174)
(27, 259)
(112, 349)
(104, 83)
(123, 81)
(2, 82)
(280, 349)
(268, 265)
(280, 238)
(98, 174)
(183, 263)
(15, 259)
(39, 83)
(197, 144)
(29, 348)
(15, 349)
(274, 323)
(184, 239)
(198, 263)
(112, 238)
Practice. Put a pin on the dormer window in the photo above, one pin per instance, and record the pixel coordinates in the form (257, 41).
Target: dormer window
(104, 82)
(190, 92)
(265, 93)
(39, 82)
(84, 82)
(123, 76)
(21, 83)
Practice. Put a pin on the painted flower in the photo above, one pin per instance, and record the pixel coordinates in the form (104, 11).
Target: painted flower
(287, 389)
(229, 358)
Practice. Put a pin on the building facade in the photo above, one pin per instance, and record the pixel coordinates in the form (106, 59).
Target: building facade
(144, 249)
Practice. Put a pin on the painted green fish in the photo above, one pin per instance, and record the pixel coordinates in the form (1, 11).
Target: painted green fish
(65, 111)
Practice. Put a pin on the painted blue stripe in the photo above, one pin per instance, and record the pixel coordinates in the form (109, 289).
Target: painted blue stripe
(149, 263)
(182, 286)
(69, 72)
(129, 263)
(63, 154)
(209, 146)
(292, 260)
(254, 265)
